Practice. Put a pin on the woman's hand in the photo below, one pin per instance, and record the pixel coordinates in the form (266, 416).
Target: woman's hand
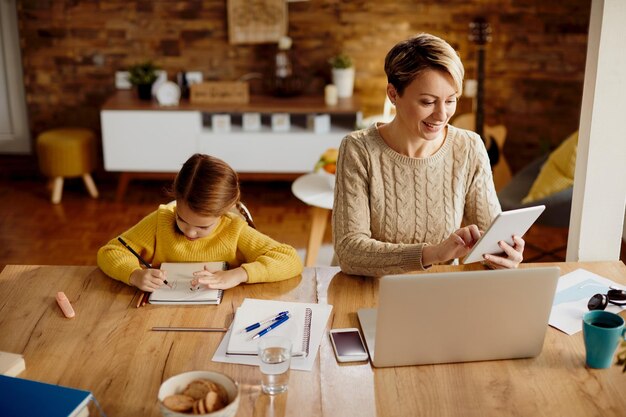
(457, 245)
(148, 279)
(219, 280)
(514, 255)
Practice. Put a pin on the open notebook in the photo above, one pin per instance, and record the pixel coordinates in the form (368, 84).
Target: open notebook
(179, 276)
(297, 328)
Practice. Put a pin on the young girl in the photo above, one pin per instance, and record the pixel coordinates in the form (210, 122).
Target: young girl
(199, 228)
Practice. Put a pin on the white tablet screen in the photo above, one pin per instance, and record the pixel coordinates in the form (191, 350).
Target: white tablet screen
(504, 226)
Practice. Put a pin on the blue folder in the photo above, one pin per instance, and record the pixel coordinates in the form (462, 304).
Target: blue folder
(23, 397)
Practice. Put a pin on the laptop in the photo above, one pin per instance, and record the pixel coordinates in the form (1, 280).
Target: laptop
(464, 316)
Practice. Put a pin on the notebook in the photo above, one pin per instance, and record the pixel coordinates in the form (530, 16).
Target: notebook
(11, 364)
(297, 328)
(179, 276)
(464, 316)
(26, 398)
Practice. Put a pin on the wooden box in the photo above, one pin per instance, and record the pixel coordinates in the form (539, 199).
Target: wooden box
(220, 92)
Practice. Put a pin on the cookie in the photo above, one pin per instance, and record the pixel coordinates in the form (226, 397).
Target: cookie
(213, 402)
(178, 402)
(198, 389)
(221, 392)
(199, 408)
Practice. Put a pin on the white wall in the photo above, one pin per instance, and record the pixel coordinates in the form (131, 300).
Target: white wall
(599, 198)
(14, 132)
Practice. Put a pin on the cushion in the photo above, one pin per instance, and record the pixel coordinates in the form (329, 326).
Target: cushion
(557, 174)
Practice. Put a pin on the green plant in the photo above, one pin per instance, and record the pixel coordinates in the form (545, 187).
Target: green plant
(142, 73)
(341, 60)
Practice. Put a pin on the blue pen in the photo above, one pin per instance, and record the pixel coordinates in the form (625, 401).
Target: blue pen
(257, 325)
(274, 325)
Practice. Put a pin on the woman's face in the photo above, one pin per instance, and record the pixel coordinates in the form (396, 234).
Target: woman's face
(427, 104)
(192, 225)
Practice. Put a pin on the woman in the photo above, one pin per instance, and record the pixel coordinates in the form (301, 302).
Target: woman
(405, 188)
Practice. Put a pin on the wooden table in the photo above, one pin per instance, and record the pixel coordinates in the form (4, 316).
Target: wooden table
(109, 349)
(556, 383)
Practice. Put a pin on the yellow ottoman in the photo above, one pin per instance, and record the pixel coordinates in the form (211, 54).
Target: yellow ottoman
(67, 153)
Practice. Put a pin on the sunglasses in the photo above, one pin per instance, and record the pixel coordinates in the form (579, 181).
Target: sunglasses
(600, 301)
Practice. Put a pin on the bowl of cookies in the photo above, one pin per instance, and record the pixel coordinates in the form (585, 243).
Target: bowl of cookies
(200, 393)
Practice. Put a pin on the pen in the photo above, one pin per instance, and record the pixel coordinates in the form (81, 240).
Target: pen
(257, 325)
(272, 326)
(190, 329)
(138, 256)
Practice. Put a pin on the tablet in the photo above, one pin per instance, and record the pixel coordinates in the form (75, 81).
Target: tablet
(504, 226)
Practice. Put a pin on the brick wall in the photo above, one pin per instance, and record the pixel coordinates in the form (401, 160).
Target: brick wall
(534, 63)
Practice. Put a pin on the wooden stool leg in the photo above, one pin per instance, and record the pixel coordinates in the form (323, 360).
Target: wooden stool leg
(319, 218)
(91, 186)
(57, 190)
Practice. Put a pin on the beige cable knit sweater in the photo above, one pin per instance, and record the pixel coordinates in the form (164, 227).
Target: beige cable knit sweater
(388, 206)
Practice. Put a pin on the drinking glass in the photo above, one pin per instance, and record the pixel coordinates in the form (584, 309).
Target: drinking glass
(275, 356)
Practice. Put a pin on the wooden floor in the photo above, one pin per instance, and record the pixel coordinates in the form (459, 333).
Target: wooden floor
(34, 231)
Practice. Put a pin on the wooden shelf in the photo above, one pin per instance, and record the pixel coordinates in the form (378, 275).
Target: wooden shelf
(127, 100)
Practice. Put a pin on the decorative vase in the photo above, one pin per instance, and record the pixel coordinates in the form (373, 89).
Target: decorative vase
(144, 91)
(343, 78)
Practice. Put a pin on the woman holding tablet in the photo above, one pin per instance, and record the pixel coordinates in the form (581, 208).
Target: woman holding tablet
(404, 188)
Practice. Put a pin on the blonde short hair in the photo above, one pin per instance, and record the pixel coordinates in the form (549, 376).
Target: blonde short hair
(409, 58)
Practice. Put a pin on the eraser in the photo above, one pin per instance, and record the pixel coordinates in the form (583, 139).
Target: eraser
(65, 305)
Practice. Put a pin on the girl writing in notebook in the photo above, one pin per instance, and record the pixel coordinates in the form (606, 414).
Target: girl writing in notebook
(199, 227)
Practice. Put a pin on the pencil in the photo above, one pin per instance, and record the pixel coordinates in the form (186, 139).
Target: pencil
(190, 329)
(140, 300)
(138, 256)
(146, 296)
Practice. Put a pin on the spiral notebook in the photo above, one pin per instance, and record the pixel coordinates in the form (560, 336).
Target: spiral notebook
(179, 276)
(297, 328)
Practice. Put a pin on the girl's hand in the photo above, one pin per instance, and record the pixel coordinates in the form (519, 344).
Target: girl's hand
(219, 280)
(148, 279)
(457, 245)
(513, 255)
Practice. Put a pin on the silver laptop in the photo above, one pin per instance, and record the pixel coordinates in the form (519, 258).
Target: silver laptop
(463, 316)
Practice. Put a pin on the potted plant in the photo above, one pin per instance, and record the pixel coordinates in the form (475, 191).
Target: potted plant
(143, 75)
(343, 74)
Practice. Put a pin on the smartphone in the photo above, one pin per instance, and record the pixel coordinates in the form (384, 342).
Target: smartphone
(348, 345)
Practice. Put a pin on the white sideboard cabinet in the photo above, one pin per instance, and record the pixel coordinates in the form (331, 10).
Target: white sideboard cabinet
(141, 138)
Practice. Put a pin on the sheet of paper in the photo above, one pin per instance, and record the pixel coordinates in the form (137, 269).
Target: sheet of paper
(572, 294)
(321, 313)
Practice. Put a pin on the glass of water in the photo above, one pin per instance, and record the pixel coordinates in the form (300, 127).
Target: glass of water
(275, 356)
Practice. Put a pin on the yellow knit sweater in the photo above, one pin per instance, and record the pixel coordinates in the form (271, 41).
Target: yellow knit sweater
(157, 239)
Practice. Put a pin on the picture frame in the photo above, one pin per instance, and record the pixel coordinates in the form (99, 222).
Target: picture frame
(256, 21)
